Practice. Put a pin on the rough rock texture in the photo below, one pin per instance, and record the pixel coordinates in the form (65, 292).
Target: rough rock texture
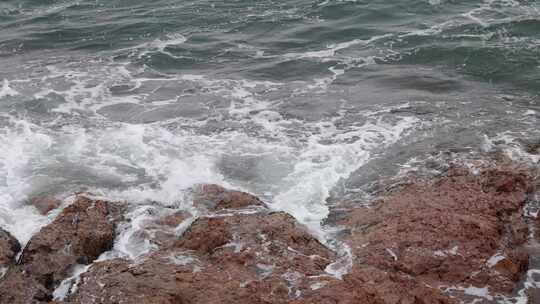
(244, 257)
(249, 256)
(459, 230)
(174, 219)
(78, 235)
(369, 285)
(421, 243)
(215, 197)
(207, 198)
(9, 247)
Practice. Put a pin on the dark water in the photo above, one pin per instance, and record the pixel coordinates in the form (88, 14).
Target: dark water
(304, 103)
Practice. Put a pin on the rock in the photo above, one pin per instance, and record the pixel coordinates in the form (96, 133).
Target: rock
(206, 235)
(461, 229)
(259, 257)
(214, 198)
(412, 244)
(252, 258)
(174, 219)
(534, 295)
(78, 235)
(512, 264)
(506, 181)
(369, 285)
(165, 230)
(83, 231)
(532, 147)
(44, 204)
(19, 288)
(117, 279)
(9, 247)
(444, 233)
(275, 233)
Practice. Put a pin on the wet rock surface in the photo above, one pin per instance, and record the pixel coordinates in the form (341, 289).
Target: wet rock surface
(206, 198)
(460, 230)
(438, 241)
(214, 197)
(370, 285)
(83, 231)
(246, 257)
(9, 247)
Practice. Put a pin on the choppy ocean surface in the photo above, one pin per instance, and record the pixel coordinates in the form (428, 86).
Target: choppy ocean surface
(301, 102)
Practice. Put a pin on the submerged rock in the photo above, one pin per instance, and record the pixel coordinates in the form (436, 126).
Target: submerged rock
(83, 231)
(44, 204)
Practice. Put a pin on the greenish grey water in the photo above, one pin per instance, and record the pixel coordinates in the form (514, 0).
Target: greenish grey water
(493, 41)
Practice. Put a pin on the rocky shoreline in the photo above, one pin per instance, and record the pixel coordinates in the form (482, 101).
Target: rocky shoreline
(461, 237)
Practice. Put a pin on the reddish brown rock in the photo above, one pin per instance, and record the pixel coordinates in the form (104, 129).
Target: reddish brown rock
(444, 233)
(458, 230)
(207, 198)
(9, 247)
(369, 285)
(260, 257)
(532, 147)
(214, 197)
(174, 219)
(461, 229)
(44, 204)
(164, 230)
(252, 258)
(533, 295)
(78, 235)
(18, 288)
(118, 279)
